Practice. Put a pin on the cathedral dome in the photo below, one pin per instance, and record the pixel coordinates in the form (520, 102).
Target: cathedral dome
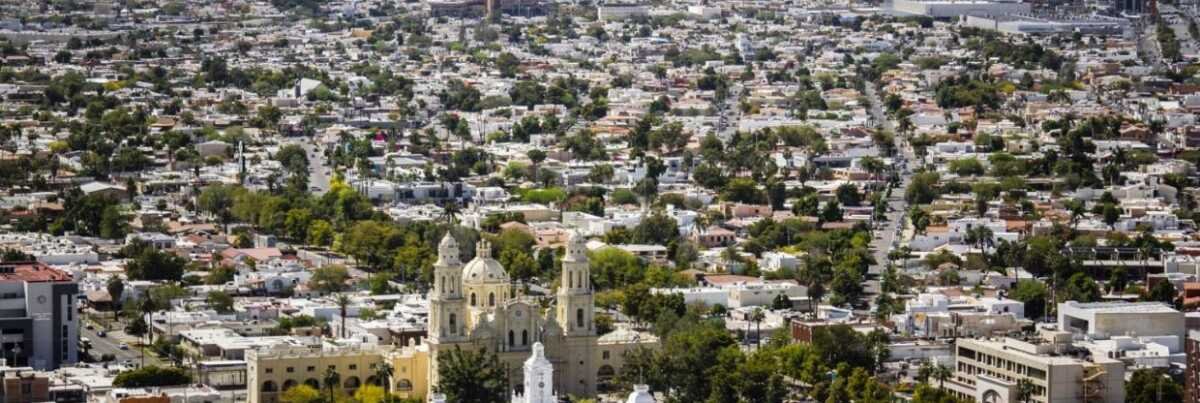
(483, 269)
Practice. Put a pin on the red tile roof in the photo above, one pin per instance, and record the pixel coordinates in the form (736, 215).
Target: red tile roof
(31, 272)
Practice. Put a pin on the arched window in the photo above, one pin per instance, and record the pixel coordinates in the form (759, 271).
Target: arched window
(491, 299)
(351, 383)
(443, 286)
(313, 382)
(525, 337)
(511, 341)
(472, 299)
(453, 323)
(268, 386)
(571, 280)
(288, 384)
(579, 317)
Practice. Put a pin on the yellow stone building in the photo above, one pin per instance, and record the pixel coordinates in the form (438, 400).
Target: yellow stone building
(476, 306)
(270, 371)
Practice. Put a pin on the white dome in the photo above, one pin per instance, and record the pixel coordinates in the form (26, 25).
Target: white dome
(484, 270)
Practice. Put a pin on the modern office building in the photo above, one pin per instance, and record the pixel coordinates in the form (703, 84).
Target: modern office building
(1103, 320)
(39, 326)
(989, 370)
(959, 8)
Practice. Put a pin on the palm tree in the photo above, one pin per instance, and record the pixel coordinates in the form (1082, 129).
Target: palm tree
(332, 381)
(757, 317)
(383, 373)
(450, 212)
(814, 274)
(941, 373)
(924, 372)
(1077, 210)
(342, 301)
(1025, 389)
(147, 309)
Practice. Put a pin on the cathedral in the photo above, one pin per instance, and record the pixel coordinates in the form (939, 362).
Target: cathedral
(476, 306)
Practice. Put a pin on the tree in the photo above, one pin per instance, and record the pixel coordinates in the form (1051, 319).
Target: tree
(1164, 292)
(151, 376)
(471, 377)
(116, 289)
(508, 64)
(743, 190)
(301, 393)
(941, 373)
(781, 302)
(920, 219)
(218, 200)
(1081, 287)
(1112, 214)
(1025, 390)
(922, 189)
(1152, 386)
(369, 242)
(536, 157)
(848, 195)
(329, 279)
(333, 381)
(1033, 294)
(757, 316)
(846, 286)
(370, 394)
(383, 372)
(831, 212)
(136, 327)
(112, 223)
(147, 263)
(343, 302)
(220, 301)
(658, 229)
(320, 233)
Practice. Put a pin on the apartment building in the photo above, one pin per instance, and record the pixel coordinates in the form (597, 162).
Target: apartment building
(989, 370)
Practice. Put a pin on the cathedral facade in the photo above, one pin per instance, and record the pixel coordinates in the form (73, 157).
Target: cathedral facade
(476, 306)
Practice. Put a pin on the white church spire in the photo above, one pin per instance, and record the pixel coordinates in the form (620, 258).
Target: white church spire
(539, 378)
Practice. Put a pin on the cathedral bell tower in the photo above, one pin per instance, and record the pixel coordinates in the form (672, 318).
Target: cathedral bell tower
(575, 305)
(447, 308)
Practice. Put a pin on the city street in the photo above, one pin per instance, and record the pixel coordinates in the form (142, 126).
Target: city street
(886, 237)
(110, 344)
(319, 171)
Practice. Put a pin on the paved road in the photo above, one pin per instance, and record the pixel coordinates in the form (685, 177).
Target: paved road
(728, 112)
(110, 344)
(319, 171)
(887, 232)
(1148, 44)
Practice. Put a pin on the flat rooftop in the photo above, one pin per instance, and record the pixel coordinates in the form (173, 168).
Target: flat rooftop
(1123, 307)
